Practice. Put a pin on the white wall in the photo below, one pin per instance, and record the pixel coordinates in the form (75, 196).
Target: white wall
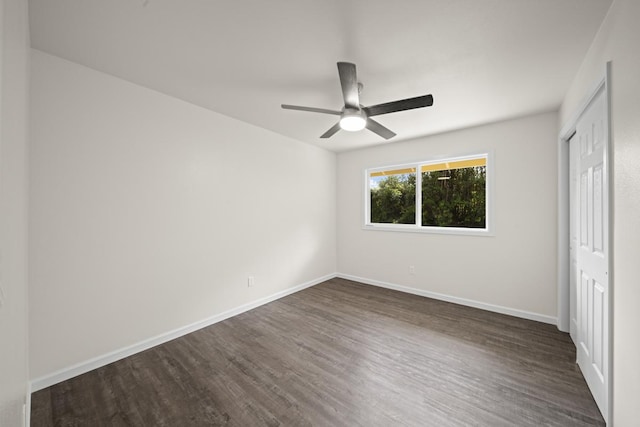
(617, 41)
(515, 269)
(148, 213)
(14, 66)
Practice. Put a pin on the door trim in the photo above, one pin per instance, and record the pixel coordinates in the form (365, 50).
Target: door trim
(567, 131)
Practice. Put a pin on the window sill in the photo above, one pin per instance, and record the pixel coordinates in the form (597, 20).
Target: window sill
(482, 232)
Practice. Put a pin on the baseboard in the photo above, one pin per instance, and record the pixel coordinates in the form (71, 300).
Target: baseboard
(97, 362)
(456, 300)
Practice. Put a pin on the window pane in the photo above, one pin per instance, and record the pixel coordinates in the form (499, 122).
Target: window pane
(393, 196)
(454, 197)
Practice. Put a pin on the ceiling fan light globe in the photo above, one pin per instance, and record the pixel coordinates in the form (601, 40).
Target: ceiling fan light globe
(352, 123)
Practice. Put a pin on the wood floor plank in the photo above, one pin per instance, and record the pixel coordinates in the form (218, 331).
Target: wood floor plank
(338, 354)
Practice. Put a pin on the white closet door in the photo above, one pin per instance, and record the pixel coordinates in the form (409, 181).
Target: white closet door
(592, 292)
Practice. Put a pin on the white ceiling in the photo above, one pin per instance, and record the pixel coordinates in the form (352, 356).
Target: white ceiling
(483, 60)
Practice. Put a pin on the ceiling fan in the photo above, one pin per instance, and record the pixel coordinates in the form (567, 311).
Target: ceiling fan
(354, 116)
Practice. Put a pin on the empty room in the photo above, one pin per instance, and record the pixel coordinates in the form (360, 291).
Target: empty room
(319, 213)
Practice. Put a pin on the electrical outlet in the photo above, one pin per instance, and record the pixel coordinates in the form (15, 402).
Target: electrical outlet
(250, 281)
(412, 270)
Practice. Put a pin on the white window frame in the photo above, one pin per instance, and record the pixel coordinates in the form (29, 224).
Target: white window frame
(417, 227)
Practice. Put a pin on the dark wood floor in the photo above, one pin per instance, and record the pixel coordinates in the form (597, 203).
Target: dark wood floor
(338, 354)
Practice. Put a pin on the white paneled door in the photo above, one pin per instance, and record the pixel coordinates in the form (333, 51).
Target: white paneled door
(590, 244)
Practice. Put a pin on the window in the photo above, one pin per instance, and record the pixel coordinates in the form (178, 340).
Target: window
(440, 196)
(393, 196)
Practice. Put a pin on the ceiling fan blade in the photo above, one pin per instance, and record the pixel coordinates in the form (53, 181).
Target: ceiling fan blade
(335, 128)
(311, 109)
(376, 127)
(401, 105)
(349, 83)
